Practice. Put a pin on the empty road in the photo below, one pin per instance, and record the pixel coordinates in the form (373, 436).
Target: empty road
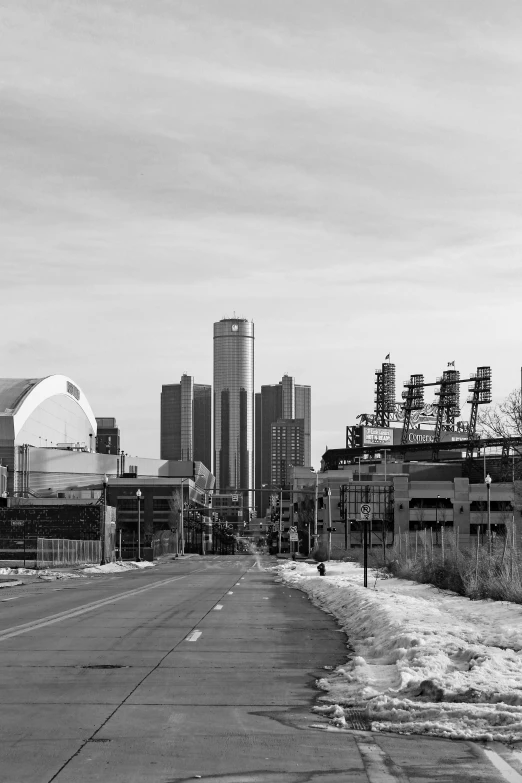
(197, 669)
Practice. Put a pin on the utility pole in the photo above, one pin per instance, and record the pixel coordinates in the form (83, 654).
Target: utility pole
(488, 488)
(329, 505)
(316, 501)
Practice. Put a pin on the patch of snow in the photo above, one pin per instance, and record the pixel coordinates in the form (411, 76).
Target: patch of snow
(117, 568)
(425, 660)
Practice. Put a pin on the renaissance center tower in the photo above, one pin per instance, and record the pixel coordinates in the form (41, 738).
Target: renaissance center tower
(234, 405)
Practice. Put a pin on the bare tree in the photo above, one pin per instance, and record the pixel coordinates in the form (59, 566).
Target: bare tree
(305, 514)
(503, 419)
(420, 513)
(174, 514)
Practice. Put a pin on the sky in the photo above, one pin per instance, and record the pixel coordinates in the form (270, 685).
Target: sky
(347, 175)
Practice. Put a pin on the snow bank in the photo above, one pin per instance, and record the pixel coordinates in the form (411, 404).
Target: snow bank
(49, 575)
(425, 661)
(117, 568)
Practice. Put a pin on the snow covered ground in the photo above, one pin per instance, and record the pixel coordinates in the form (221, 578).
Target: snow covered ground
(79, 572)
(117, 568)
(421, 660)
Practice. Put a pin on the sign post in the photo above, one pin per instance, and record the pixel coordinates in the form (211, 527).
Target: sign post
(293, 535)
(365, 511)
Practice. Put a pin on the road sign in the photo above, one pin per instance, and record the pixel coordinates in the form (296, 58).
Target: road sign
(365, 511)
(235, 498)
(293, 533)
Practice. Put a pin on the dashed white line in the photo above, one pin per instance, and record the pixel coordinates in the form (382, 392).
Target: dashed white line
(16, 630)
(230, 592)
(194, 636)
(218, 607)
(505, 769)
(12, 599)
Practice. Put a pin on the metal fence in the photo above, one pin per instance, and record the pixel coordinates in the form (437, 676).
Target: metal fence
(18, 549)
(61, 551)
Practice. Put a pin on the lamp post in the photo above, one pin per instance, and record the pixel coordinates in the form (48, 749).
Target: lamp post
(437, 519)
(138, 495)
(104, 522)
(182, 527)
(488, 481)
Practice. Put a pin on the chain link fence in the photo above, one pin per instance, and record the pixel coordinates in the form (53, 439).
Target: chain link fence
(61, 551)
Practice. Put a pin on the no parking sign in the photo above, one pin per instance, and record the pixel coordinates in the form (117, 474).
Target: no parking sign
(365, 511)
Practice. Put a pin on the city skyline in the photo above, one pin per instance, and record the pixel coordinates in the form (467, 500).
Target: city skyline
(344, 174)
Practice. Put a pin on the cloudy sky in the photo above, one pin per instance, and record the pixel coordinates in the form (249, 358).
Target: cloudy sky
(346, 174)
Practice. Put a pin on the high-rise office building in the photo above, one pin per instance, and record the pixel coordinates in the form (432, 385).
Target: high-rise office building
(278, 403)
(234, 404)
(186, 421)
(286, 448)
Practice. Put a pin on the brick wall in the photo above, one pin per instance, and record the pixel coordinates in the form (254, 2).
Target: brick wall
(67, 521)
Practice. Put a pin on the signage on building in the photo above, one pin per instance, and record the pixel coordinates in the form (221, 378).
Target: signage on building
(377, 436)
(427, 436)
(73, 390)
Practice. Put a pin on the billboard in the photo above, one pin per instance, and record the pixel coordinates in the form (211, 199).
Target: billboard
(427, 436)
(377, 436)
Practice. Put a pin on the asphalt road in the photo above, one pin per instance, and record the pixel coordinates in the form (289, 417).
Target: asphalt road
(197, 669)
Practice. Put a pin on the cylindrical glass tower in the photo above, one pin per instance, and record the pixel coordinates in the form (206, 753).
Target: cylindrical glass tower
(234, 404)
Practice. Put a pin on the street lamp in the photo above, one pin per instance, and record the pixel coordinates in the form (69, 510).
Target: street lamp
(182, 527)
(104, 525)
(437, 519)
(138, 495)
(488, 481)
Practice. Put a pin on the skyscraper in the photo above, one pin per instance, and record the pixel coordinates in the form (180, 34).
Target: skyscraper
(287, 406)
(186, 421)
(234, 404)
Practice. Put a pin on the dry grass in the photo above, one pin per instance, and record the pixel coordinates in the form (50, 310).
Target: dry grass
(480, 571)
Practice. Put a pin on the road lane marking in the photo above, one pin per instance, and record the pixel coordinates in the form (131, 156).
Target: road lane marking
(230, 592)
(506, 770)
(17, 630)
(218, 607)
(12, 599)
(194, 636)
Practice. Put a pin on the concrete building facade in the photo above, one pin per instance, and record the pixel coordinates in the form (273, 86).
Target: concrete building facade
(423, 496)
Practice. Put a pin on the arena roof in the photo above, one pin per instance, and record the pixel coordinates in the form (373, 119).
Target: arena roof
(19, 397)
(13, 391)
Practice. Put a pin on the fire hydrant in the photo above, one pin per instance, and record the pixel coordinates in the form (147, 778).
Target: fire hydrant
(322, 569)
